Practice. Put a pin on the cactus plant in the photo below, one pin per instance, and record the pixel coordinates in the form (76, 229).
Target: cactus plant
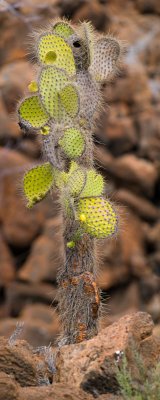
(61, 106)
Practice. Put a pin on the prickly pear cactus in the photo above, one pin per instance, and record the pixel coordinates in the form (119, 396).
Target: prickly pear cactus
(61, 106)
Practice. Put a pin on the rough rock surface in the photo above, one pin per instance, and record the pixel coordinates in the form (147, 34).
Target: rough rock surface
(91, 364)
(77, 371)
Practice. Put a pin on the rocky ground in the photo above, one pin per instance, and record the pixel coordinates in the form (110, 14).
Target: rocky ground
(127, 151)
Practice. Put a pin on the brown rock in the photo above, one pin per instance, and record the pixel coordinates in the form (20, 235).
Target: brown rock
(148, 125)
(14, 79)
(18, 360)
(20, 225)
(94, 12)
(8, 387)
(57, 392)
(154, 235)
(7, 268)
(19, 294)
(149, 6)
(139, 204)
(91, 364)
(117, 259)
(119, 134)
(41, 325)
(131, 88)
(137, 173)
(46, 256)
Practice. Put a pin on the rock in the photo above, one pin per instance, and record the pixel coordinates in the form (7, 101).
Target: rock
(8, 387)
(132, 88)
(144, 208)
(153, 307)
(126, 256)
(47, 254)
(94, 12)
(149, 6)
(13, 82)
(19, 294)
(20, 225)
(18, 360)
(57, 391)
(137, 173)
(148, 125)
(91, 364)
(124, 299)
(119, 134)
(153, 235)
(41, 325)
(7, 267)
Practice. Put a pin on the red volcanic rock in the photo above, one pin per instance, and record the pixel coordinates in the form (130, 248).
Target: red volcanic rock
(91, 364)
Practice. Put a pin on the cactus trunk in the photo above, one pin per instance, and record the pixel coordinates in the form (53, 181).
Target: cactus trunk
(78, 292)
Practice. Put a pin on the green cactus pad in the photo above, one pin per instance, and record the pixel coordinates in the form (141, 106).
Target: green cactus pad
(106, 53)
(94, 184)
(37, 182)
(76, 181)
(32, 114)
(53, 49)
(51, 81)
(72, 143)
(97, 217)
(84, 183)
(70, 100)
(63, 29)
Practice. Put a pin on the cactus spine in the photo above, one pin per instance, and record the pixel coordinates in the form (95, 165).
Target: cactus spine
(61, 106)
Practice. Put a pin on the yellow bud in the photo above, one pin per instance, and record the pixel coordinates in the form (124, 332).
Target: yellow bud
(45, 130)
(71, 244)
(33, 87)
(82, 217)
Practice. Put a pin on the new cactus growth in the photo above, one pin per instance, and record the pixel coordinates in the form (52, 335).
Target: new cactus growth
(62, 104)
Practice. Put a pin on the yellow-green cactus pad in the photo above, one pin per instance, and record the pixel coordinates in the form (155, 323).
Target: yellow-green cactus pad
(99, 218)
(37, 182)
(51, 81)
(54, 50)
(70, 100)
(94, 185)
(72, 143)
(32, 114)
(106, 54)
(76, 182)
(63, 29)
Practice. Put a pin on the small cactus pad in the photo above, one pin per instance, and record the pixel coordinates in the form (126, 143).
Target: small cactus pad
(63, 29)
(51, 81)
(54, 50)
(70, 100)
(99, 218)
(76, 181)
(106, 53)
(94, 184)
(32, 114)
(37, 182)
(72, 143)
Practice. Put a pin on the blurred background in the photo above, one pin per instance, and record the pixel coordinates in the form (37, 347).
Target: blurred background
(127, 151)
